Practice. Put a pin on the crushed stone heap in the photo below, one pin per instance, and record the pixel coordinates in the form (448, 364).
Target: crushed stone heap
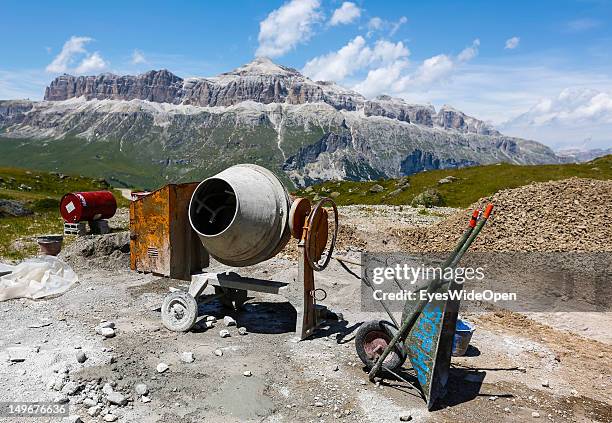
(569, 215)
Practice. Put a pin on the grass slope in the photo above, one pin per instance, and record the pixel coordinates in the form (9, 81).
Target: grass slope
(472, 183)
(17, 234)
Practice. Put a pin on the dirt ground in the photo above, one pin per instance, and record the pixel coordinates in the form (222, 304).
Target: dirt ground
(541, 367)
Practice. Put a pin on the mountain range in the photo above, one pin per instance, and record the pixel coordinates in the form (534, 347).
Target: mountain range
(156, 127)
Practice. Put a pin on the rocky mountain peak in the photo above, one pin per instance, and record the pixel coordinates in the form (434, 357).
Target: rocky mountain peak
(263, 66)
(261, 81)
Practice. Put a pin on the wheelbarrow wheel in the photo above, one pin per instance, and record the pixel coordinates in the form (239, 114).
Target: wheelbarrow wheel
(179, 311)
(371, 340)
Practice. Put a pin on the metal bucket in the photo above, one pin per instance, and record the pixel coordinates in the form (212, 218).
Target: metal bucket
(463, 336)
(50, 245)
(241, 215)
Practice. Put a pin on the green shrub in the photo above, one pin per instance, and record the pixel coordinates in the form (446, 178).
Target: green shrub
(45, 204)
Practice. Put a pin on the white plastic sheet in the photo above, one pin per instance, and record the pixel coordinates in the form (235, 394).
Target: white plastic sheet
(37, 278)
(5, 268)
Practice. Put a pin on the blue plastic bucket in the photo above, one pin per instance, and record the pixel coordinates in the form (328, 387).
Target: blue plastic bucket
(463, 335)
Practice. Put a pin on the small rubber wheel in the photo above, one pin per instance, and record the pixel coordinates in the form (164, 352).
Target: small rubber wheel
(179, 311)
(371, 340)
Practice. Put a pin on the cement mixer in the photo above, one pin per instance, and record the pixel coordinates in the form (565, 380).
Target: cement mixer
(241, 215)
(244, 216)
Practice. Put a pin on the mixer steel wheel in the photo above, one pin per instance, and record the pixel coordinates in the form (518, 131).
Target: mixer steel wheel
(179, 311)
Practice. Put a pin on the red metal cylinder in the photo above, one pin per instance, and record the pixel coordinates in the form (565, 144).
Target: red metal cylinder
(87, 206)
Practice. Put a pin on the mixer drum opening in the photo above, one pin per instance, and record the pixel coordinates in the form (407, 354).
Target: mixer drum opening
(241, 215)
(214, 207)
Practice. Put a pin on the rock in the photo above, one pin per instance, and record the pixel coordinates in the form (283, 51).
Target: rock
(242, 331)
(428, 198)
(247, 373)
(162, 367)
(13, 208)
(224, 333)
(535, 414)
(336, 368)
(395, 193)
(110, 418)
(308, 189)
(107, 324)
(107, 389)
(81, 357)
(141, 389)
(376, 188)
(187, 357)
(334, 194)
(405, 418)
(105, 331)
(71, 388)
(218, 352)
(229, 321)
(18, 354)
(211, 319)
(58, 384)
(145, 399)
(72, 419)
(116, 398)
(546, 383)
(318, 404)
(90, 402)
(94, 411)
(61, 399)
(209, 325)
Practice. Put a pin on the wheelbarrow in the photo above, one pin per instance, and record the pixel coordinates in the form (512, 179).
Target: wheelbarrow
(426, 332)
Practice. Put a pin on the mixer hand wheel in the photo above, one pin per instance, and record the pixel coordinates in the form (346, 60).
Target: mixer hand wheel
(314, 221)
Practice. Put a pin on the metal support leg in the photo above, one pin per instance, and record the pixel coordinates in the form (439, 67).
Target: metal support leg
(306, 320)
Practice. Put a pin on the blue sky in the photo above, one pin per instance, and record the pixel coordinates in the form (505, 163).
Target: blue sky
(536, 69)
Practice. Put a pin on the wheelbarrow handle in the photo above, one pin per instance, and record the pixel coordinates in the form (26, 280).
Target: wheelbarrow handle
(466, 240)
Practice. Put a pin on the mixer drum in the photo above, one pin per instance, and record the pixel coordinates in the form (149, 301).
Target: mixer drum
(241, 215)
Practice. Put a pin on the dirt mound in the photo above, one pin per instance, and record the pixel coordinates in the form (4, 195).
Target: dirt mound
(110, 251)
(569, 215)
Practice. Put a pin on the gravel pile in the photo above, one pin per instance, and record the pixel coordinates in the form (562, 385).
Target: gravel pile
(110, 251)
(569, 215)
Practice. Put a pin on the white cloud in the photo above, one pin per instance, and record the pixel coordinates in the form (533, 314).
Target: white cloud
(383, 79)
(397, 25)
(92, 63)
(138, 57)
(377, 24)
(583, 24)
(72, 50)
(393, 76)
(512, 43)
(22, 84)
(287, 26)
(73, 47)
(345, 14)
(571, 106)
(356, 55)
(470, 52)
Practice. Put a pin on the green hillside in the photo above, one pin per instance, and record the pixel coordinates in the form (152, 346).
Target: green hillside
(471, 184)
(40, 192)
